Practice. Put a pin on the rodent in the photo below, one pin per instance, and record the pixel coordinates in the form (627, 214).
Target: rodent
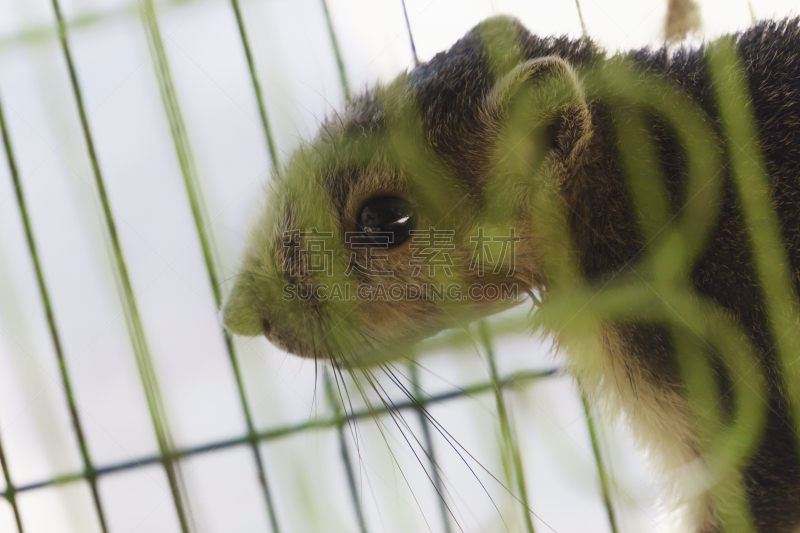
(453, 106)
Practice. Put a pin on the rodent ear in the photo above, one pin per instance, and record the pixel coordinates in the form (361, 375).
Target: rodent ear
(239, 315)
(549, 90)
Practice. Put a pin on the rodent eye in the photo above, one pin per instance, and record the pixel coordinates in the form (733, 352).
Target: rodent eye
(386, 219)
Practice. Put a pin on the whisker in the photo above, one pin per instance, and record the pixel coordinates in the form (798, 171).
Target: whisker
(393, 414)
(396, 413)
(452, 441)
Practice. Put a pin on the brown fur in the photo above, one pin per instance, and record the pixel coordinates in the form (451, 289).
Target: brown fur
(457, 107)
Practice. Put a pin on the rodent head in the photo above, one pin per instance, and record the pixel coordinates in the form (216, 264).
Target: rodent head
(409, 213)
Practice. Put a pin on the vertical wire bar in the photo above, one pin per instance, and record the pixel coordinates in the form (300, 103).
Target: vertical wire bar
(133, 321)
(11, 490)
(351, 480)
(604, 485)
(410, 35)
(89, 470)
(429, 449)
(328, 385)
(505, 427)
(262, 108)
(348, 464)
(414, 375)
(336, 51)
(202, 223)
(580, 16)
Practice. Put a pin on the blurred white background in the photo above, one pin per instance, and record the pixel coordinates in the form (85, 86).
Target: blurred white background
(296, 65)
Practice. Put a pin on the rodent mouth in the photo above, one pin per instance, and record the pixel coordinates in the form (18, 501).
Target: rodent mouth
(319, 349)
(285, 343)
(321, 345)
(296, 346)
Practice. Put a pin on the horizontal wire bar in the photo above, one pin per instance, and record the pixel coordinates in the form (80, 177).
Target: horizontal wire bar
(42, 33)
(285, 431)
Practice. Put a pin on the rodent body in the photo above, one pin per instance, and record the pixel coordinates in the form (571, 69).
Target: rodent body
(637, 372)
